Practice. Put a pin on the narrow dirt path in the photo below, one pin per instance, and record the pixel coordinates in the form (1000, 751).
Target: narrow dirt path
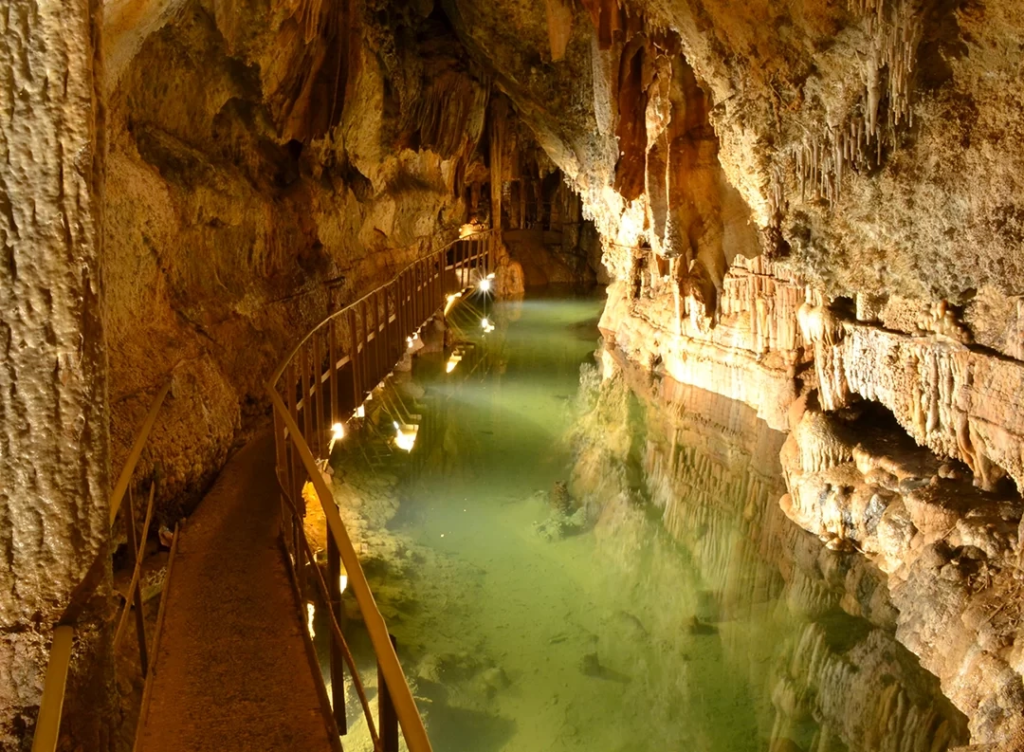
(232, 671)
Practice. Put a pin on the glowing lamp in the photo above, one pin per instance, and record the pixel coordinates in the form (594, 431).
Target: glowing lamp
(485, 284)
(337, 433)
(405, 436)
(451, 301)
(454, 359)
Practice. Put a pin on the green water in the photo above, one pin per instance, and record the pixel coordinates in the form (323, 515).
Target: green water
(678, 611)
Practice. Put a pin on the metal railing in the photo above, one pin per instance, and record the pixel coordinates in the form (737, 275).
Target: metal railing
(47, 731)
(321, 383)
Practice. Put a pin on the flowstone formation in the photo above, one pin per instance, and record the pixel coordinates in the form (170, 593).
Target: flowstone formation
(54, 448)
(709, 469)
(817, 201)
(796, 202)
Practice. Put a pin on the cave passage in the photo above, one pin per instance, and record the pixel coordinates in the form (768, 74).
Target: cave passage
(672, 613)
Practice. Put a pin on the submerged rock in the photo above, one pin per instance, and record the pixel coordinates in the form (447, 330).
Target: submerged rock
(590, 665)
(560, 498)
(561, 525)
(696, 627)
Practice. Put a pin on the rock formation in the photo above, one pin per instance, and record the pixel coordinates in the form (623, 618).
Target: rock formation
(54, 448)
(785, 194)
(837, 677)
(812, 207)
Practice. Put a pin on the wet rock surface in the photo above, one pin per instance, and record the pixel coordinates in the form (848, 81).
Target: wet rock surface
(687, 540)
(791, 201)
(950, 550)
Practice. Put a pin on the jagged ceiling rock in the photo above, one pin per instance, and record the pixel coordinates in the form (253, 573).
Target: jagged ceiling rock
(879, 138)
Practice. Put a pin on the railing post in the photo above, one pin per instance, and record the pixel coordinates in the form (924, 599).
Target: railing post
(416, 275)
(332, 346)
(317, 398)
(378, 340)
(366, 364)
(336, 657)
(281, 468)
(399, 327)
(387, 327)
(54, 684)
(353, 358)
(428, 264)
(459, 246)
(307, 413)
(294, 463)
(136, 594)
(418, 291)
(387, 723)
(439, 261)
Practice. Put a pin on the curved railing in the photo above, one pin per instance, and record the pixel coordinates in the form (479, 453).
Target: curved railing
(47, 731)
(319, 385)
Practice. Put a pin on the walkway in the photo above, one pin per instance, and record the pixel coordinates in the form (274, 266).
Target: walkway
(233, 672)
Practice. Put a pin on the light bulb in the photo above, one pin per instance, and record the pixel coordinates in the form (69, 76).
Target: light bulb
(405, 436)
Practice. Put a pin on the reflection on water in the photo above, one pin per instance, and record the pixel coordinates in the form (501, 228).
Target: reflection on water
(600, 563)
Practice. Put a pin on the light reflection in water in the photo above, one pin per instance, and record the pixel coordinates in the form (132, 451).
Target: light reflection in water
(679, 610)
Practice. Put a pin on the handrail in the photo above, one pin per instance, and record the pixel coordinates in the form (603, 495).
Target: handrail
(125, 478)
(409, 717)
(48, 721)
(336, 633)
(54, 684)
(369, 335)
(351, 306)
(140, 549)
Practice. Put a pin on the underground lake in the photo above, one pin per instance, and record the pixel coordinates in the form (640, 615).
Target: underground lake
(574, 554)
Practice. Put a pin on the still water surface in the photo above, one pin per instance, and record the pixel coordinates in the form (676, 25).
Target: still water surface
(679, 610)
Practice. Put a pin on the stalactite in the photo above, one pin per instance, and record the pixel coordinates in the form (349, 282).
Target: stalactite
(859, 143)
(443, 113)
(313, 18)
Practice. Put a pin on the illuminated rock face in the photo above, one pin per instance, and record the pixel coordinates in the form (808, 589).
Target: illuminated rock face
(949, 550)
(832, 216)
(711, 469)
(799, 202)
(266, 163)
(53, 382)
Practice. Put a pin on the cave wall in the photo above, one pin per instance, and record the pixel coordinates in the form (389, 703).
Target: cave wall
(812, 207)
(189, 185)
(54, 457)
(708, 469)
(263, 157)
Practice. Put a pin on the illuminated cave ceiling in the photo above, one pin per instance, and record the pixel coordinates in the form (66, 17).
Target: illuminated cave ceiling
(870, 151)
